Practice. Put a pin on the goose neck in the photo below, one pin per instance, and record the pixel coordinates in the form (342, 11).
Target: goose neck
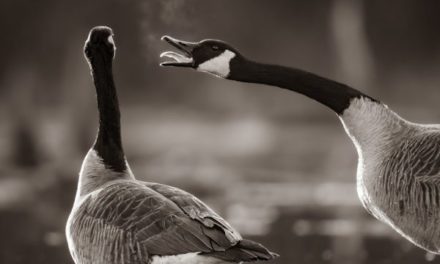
(336, 96)
(108, 143)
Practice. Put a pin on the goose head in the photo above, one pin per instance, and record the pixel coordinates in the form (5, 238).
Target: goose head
(212, 56)
(100, 41)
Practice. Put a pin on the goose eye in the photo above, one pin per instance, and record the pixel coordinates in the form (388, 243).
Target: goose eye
(215, 47)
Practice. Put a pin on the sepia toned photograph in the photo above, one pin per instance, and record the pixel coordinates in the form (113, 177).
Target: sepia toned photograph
(219, 132)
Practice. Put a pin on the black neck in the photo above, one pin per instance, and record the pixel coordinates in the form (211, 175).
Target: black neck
(108, 143)
(334, 95)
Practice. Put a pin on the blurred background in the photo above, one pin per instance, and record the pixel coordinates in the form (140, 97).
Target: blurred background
(275, 164)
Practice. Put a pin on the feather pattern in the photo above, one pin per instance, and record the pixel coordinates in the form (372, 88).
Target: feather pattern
(398, 170)
(128, 221)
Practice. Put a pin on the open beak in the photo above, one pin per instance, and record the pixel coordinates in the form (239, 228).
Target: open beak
(183, 59)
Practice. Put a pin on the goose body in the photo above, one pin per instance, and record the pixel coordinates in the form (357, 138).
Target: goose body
(118, 219)
(398, 174)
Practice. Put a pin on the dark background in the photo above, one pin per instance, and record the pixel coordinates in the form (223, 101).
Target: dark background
(278, 166)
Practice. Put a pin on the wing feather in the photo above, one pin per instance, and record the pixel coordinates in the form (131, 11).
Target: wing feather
(196, 210)
(159, 219)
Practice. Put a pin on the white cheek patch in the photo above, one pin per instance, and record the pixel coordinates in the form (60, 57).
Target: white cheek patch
(110, 40)
(219, 65)
(88, 37)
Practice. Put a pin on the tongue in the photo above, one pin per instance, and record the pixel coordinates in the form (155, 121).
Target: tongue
(176, 56)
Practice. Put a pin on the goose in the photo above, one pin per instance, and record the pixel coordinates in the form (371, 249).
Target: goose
(118, 219)
(398, 172)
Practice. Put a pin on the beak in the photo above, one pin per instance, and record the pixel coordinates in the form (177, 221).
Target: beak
(183, 59)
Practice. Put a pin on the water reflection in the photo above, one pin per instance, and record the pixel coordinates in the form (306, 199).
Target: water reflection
(331, 227)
